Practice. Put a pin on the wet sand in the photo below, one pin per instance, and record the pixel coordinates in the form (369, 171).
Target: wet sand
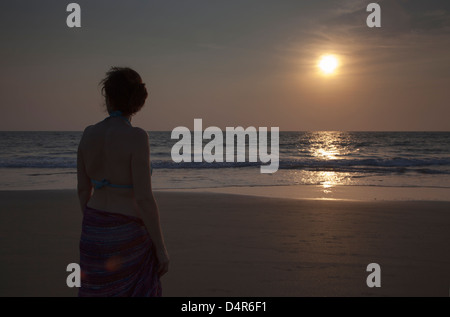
(237, 245)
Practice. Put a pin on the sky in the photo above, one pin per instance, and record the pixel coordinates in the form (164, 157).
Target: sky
(229, 62)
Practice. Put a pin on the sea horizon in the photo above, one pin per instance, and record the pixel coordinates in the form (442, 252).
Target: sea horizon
(319, 164)
(388, 131)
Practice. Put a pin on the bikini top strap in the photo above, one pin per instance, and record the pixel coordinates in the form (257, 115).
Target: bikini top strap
(119, 114)
(105, 182)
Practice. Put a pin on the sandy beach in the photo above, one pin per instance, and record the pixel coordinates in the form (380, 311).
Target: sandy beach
(237, 245)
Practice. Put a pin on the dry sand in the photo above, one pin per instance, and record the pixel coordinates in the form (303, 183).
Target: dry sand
(235, 245)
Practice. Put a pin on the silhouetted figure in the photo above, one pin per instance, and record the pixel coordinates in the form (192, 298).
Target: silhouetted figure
(122, 251)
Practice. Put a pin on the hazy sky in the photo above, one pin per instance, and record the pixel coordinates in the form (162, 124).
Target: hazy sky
(229, 62)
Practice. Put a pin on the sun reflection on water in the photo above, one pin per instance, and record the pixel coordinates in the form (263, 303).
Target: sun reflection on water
(329, 146)
(326, 179)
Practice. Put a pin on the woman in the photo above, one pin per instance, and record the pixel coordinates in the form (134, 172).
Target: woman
(122, 251)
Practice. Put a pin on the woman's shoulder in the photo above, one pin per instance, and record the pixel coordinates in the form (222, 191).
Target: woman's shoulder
(132, 136)
(139, 135)
(139, 132)
(86, 132)
(138, 140)
(91, 128)
(88, 128)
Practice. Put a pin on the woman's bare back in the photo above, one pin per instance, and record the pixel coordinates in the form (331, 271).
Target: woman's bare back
(106, 150)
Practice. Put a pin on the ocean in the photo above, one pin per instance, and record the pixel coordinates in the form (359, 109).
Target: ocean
(47, 160)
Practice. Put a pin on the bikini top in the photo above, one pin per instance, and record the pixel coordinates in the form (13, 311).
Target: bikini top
(105, 182)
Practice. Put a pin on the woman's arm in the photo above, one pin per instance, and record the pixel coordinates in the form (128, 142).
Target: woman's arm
(140, 168)
(84, 183)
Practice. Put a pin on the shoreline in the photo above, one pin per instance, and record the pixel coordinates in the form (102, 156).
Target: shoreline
(309, 192)
(339, 192)
(237, 245)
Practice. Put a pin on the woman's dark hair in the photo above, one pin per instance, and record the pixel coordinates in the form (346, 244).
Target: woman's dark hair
(124, 89)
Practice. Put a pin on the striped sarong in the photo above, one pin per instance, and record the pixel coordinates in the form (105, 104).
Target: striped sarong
(117, 257)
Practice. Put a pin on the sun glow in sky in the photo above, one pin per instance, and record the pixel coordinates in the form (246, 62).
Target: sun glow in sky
(328, 64)
(311, 66)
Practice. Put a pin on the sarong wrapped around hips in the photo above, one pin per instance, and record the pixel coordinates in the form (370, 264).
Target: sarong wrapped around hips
(117, 256)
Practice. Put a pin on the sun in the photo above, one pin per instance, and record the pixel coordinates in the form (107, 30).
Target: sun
(328, 64)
